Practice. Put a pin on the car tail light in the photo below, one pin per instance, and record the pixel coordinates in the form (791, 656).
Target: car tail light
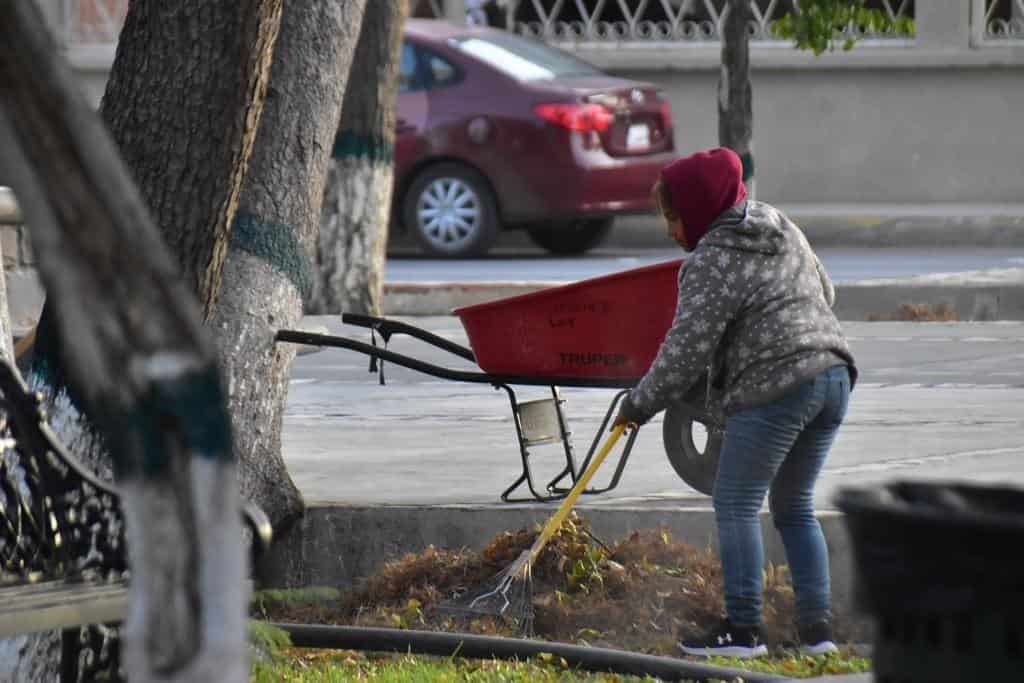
(666, 113)
(576, 116)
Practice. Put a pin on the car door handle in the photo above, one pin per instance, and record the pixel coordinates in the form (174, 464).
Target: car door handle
(403, 126)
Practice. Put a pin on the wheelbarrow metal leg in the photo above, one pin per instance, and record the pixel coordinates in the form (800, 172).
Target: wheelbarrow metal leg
(527, 474)
(570, 454)
(627, 449)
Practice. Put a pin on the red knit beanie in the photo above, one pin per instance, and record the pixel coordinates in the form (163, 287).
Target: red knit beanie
(702, 186)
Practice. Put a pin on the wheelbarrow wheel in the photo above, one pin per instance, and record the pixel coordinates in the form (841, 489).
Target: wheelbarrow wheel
(693, 440)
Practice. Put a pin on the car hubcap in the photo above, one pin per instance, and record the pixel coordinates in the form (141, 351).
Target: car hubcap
(449, 213)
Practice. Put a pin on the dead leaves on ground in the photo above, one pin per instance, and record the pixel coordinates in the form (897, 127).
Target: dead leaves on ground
(640, 593)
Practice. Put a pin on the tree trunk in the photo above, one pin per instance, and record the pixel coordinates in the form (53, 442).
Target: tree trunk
(183, 102)
(140, 363)
(6, 340)
(348, 276)
(735, 101)
(268, 268)
(31, 658)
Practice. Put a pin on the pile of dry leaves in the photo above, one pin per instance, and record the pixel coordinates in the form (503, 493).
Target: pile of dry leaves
(640, 593)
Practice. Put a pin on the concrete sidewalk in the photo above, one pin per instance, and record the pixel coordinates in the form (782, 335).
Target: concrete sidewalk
(996, 294)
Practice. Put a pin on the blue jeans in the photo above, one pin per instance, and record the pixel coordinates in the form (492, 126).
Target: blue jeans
(779, 447)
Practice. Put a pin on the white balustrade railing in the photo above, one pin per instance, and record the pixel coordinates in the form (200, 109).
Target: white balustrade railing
(997, 22)
(640, 21)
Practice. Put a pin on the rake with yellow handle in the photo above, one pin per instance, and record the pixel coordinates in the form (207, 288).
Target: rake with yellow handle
(511, 595)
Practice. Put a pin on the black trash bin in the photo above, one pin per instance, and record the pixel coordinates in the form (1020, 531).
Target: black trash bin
(941, 571)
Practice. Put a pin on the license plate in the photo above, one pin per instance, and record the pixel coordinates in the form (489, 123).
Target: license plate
(638, 137)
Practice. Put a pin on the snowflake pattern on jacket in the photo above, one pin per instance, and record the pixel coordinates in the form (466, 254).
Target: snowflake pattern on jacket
(754, 315)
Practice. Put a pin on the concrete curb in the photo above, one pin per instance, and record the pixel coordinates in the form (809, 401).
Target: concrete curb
(982, 295)
(338, 545)
(996, 294)
(440, 298)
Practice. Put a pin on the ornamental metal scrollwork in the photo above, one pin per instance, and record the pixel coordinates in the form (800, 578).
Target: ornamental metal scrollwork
(1004, 21)
(57, 522)
(627, 21)
(574, 21)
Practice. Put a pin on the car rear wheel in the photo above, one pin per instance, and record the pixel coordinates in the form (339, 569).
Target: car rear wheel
(693, 440)
(575, 237)
(450, 211)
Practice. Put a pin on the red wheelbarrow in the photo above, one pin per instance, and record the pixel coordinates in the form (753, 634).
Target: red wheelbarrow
(601, 332)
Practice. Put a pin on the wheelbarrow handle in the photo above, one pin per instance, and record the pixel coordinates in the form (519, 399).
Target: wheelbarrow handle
(386, 328)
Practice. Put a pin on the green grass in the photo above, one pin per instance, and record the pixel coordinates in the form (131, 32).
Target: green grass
(795, 665)
(305, 666)
(341, 666)
(283, 663)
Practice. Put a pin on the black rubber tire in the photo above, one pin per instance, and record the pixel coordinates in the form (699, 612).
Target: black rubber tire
(695, 466)
(487, 228)
(572, 238)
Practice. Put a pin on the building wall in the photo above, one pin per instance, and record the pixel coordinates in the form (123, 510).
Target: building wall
(903, 135)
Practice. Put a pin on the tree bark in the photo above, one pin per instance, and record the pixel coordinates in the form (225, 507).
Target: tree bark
(183, 102)
(735, 100)
(6, 340)
(350, 254)
(139, 363)
(268, 268)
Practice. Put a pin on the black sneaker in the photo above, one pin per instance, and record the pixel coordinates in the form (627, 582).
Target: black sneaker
(727, 640)
(816, 639)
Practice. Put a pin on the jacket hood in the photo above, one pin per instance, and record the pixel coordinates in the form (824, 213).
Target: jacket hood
(748, 226)
(702, 186)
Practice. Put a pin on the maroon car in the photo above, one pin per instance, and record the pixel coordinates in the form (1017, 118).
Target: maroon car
(496, 131)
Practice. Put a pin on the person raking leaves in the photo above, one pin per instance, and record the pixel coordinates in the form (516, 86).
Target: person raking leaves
(755, 317)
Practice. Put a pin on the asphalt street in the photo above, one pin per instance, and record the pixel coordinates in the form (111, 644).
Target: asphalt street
(935, 401)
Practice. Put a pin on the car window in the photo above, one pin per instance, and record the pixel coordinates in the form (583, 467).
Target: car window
(442, 72)
(421, 69)
(407, 69)
(522, 58)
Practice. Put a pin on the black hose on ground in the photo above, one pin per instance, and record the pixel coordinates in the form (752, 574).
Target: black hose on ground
(473, 646)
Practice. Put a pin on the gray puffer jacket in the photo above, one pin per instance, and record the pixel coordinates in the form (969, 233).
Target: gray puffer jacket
(754, 311)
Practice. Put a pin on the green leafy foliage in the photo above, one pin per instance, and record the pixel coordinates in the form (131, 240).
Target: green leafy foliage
(820, 25)
(586, 571)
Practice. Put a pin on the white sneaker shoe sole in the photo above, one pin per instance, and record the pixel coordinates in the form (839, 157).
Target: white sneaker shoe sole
(823, 648)
(737, 651)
